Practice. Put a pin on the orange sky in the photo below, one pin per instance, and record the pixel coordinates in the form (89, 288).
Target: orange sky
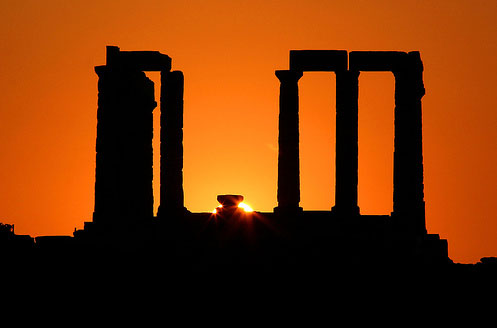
(228, 51)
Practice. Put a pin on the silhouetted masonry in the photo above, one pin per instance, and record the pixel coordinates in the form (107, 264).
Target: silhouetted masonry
(231, 241)
(346, 132)
(408, 194)
(407, 68)
(171, 144)
(124, 160)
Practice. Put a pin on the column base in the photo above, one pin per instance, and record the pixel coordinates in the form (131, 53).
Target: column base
(287, 209)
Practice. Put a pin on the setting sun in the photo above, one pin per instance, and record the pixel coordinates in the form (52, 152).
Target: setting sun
(245, 207)
(215, 210)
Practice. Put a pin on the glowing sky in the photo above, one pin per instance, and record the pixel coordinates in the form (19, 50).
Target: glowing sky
(228, 51)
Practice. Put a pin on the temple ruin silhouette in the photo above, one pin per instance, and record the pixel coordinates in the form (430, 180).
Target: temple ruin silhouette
(123, 186)
(289, 237)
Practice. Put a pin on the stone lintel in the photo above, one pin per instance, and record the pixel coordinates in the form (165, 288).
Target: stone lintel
(318, 60)
(141, 60)
(379, 61)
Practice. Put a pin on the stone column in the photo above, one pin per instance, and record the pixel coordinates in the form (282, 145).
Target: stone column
(288, 141)
(171, 144)
(123, 174)
(346, 167)
(408, 195)
(105, 175)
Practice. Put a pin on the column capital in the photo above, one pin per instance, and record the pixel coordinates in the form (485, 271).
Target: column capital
(288, 75)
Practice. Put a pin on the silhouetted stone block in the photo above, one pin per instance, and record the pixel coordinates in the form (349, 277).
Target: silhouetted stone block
(318, 60)
(376, 60)
(140, 60)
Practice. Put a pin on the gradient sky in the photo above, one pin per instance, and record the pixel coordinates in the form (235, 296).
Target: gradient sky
(228, 51)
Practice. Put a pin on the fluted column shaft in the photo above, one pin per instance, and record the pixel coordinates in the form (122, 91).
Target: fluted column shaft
(123, 173)
(408, 196)
(171, 144)
(346, 167)
(288, 141)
